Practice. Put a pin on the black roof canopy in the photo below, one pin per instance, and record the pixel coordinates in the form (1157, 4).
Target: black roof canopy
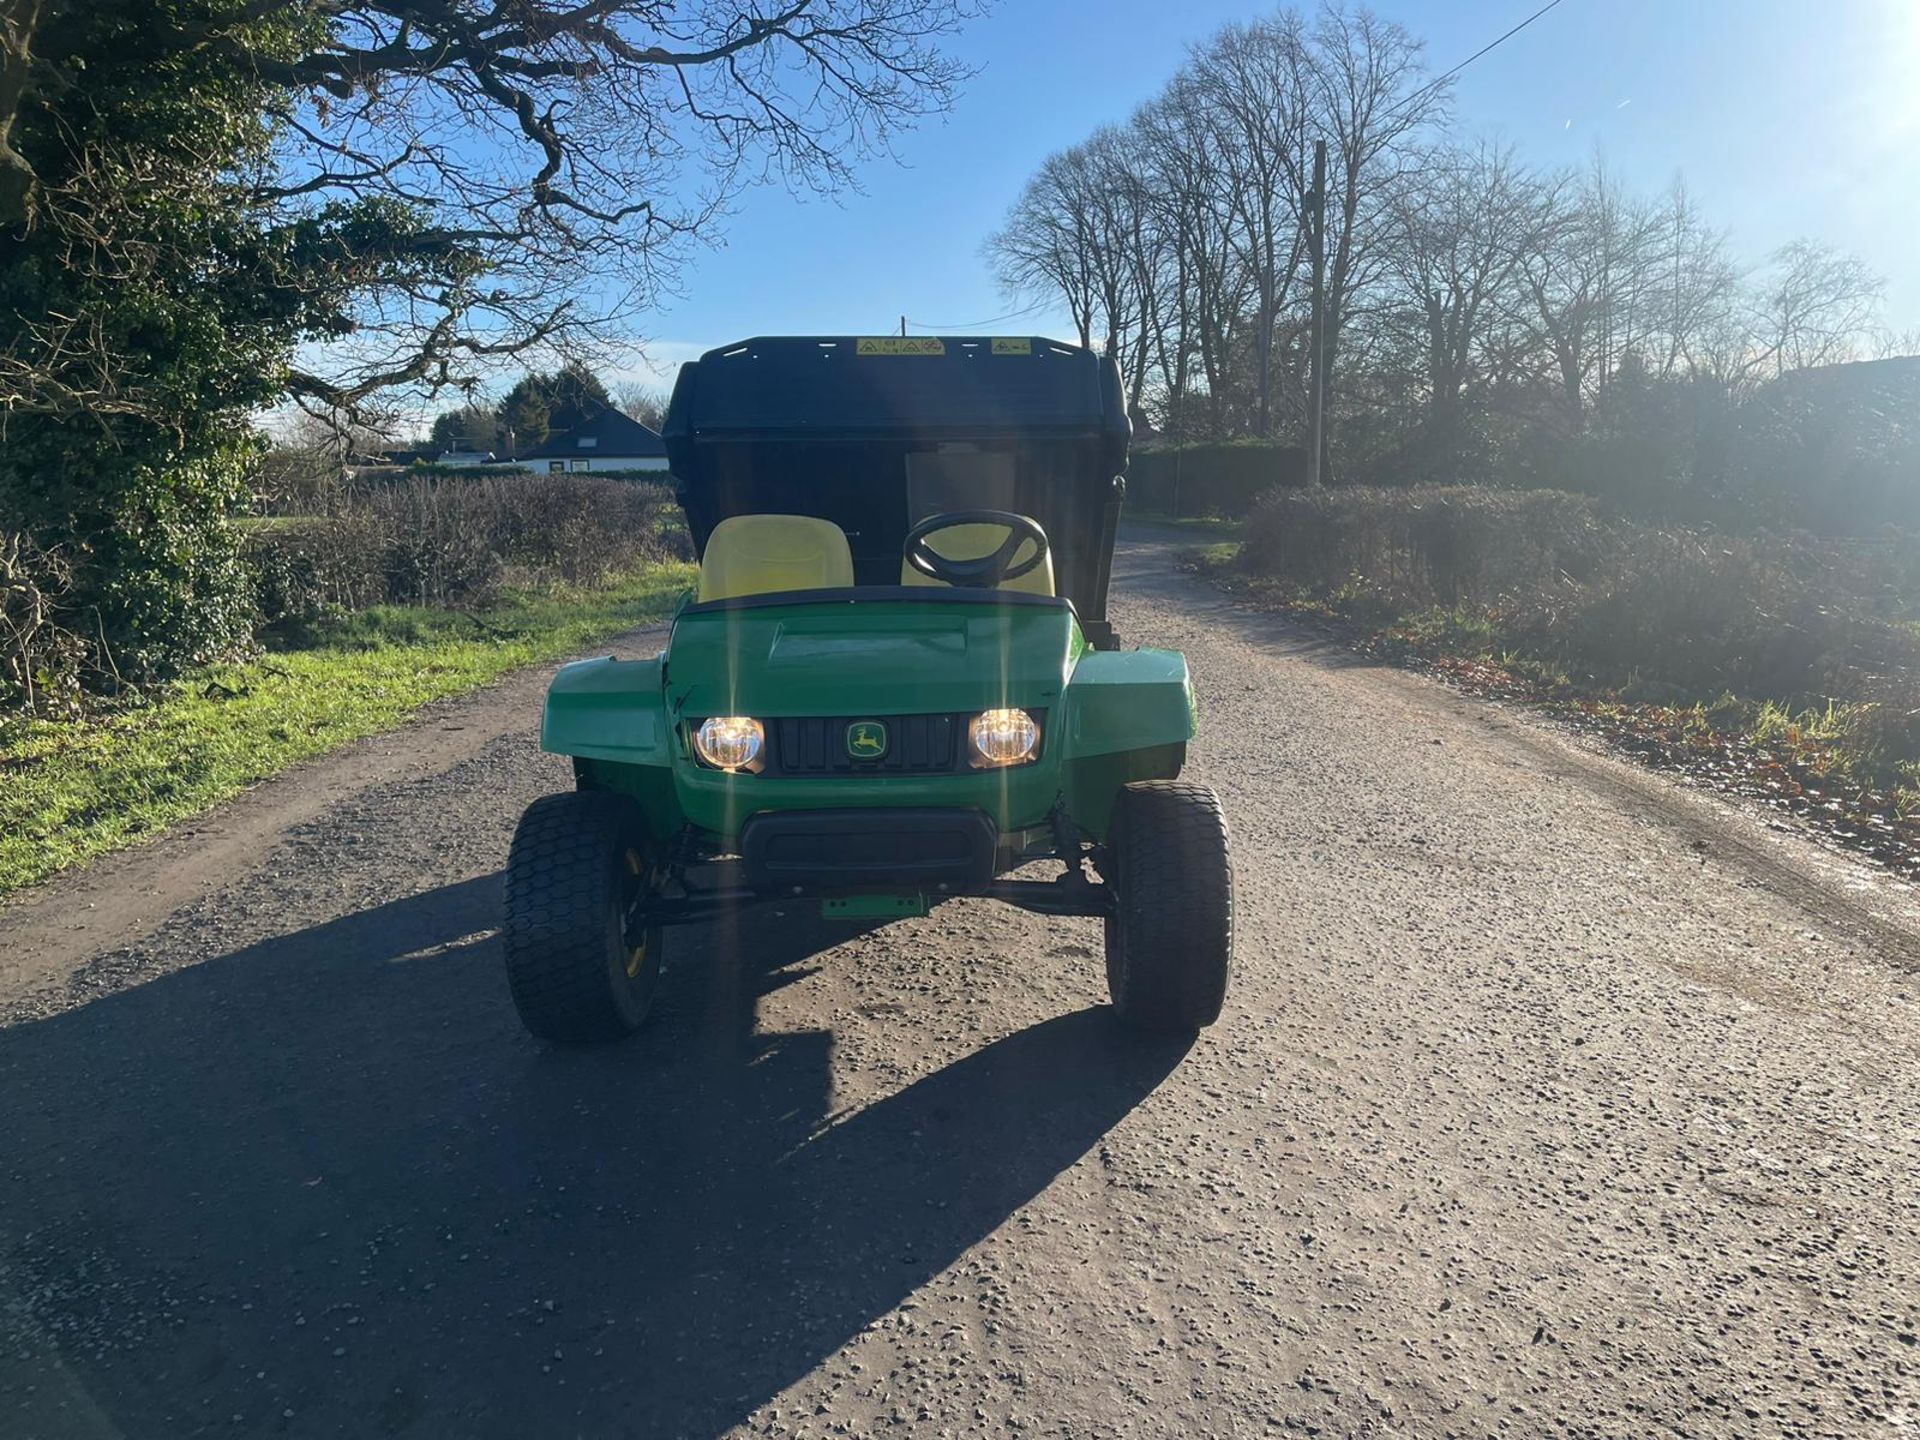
(834, 426)
(937, 387)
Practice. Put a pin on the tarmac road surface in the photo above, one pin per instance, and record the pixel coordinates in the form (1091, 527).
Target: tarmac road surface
(1551, 1099)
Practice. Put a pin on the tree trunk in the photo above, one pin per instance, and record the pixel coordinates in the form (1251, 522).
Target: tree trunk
(18, 21)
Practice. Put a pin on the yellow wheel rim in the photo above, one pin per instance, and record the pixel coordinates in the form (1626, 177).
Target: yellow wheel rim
(636, 955)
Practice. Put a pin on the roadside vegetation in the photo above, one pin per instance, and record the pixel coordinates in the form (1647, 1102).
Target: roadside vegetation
(451, 541)
(1220, 481)
(396, 595)
(73, 790)
(1782, 666)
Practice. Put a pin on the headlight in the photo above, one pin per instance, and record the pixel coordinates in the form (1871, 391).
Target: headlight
(1003, 737)
(730, 742)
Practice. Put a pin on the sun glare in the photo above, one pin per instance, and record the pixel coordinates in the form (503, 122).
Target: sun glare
(1897, 49)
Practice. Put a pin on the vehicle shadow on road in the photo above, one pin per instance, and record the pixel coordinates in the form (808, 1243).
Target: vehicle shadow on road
(324, 1184)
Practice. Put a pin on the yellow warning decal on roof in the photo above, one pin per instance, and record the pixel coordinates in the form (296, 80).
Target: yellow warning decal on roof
(1013, 347)
(899, 345)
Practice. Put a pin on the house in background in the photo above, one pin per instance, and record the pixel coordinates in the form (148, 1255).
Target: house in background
(609, 441)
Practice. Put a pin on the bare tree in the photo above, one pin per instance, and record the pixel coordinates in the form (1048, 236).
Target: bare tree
(1816, 306)
(1371, 102)
(1083, 232)
(1178, 242)
(643, 402)
(1897, 345)
(1464, 230)
(1206, 292)
(1588, 284)
(1694, 288)
(1124, 252)
(1047, 246)
(1254, 92)
(538, 168)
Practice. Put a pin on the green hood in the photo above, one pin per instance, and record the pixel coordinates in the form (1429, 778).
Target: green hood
(881, 658)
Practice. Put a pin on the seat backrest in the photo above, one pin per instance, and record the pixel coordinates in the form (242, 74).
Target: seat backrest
(970, 542)
(761, 554)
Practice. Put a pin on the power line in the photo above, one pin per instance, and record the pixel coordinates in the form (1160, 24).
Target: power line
(945, 329)
(1496, 44)
(1434, 84)
(1033, 309)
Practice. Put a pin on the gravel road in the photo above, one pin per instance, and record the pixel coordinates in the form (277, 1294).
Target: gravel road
(1551, 1100)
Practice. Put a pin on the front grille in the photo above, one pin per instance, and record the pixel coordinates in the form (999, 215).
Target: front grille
(817, 745)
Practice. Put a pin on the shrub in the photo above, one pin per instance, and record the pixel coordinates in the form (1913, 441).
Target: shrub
(1220, 479)
(41, 660)
(1766, 616)
(576, 528)
(452, 542)
(155, 582)
(1427, 546)
(1778, 617)
(439, 540)
(433, 469)
(306, 568)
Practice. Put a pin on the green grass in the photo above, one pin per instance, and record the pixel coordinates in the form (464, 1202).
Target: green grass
(260, 524)
(1461, 630)
(72, 791)
(1217, 556)
(1197, 526)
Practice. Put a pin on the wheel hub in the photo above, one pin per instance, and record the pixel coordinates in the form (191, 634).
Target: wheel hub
(633, 929)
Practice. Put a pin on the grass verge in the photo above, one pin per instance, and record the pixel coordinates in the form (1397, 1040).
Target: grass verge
(1845, 768)
(1196, 527)
(72, 791)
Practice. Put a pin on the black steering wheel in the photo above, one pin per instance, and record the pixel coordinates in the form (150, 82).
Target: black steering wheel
(989, 570)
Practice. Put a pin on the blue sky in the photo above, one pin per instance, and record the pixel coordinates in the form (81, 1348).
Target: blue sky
(1786, 119)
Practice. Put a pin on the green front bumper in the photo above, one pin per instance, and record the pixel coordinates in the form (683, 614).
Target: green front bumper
(1014, 799)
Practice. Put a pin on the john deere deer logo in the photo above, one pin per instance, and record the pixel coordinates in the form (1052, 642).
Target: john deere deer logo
(866, 740)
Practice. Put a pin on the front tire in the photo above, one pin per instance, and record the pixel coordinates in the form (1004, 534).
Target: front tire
(577, 973)
(1170, 937)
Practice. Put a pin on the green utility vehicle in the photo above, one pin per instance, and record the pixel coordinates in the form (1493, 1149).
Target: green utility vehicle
(896, 685)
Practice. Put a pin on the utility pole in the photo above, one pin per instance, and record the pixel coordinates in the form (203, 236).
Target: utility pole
(1317, 343)
(903, 327)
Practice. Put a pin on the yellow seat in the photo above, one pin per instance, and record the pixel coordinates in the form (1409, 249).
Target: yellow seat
(971, 542)
(762, 554)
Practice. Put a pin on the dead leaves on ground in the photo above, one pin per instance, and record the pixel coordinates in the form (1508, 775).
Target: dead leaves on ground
(1795, 777)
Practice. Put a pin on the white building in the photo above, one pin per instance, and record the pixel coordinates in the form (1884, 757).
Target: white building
(609, 441)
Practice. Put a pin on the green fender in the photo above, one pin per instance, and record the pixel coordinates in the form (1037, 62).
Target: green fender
(1128, 716)
(608, 709)
(611, 716)
(1128, 700)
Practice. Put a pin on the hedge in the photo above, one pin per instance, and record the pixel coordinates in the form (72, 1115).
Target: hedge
(432, 469)
(1220, 478)
(1550, 575)
(451, 542)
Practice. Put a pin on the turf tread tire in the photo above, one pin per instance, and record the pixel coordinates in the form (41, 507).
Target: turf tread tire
(1170, 939)
(567, 882)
